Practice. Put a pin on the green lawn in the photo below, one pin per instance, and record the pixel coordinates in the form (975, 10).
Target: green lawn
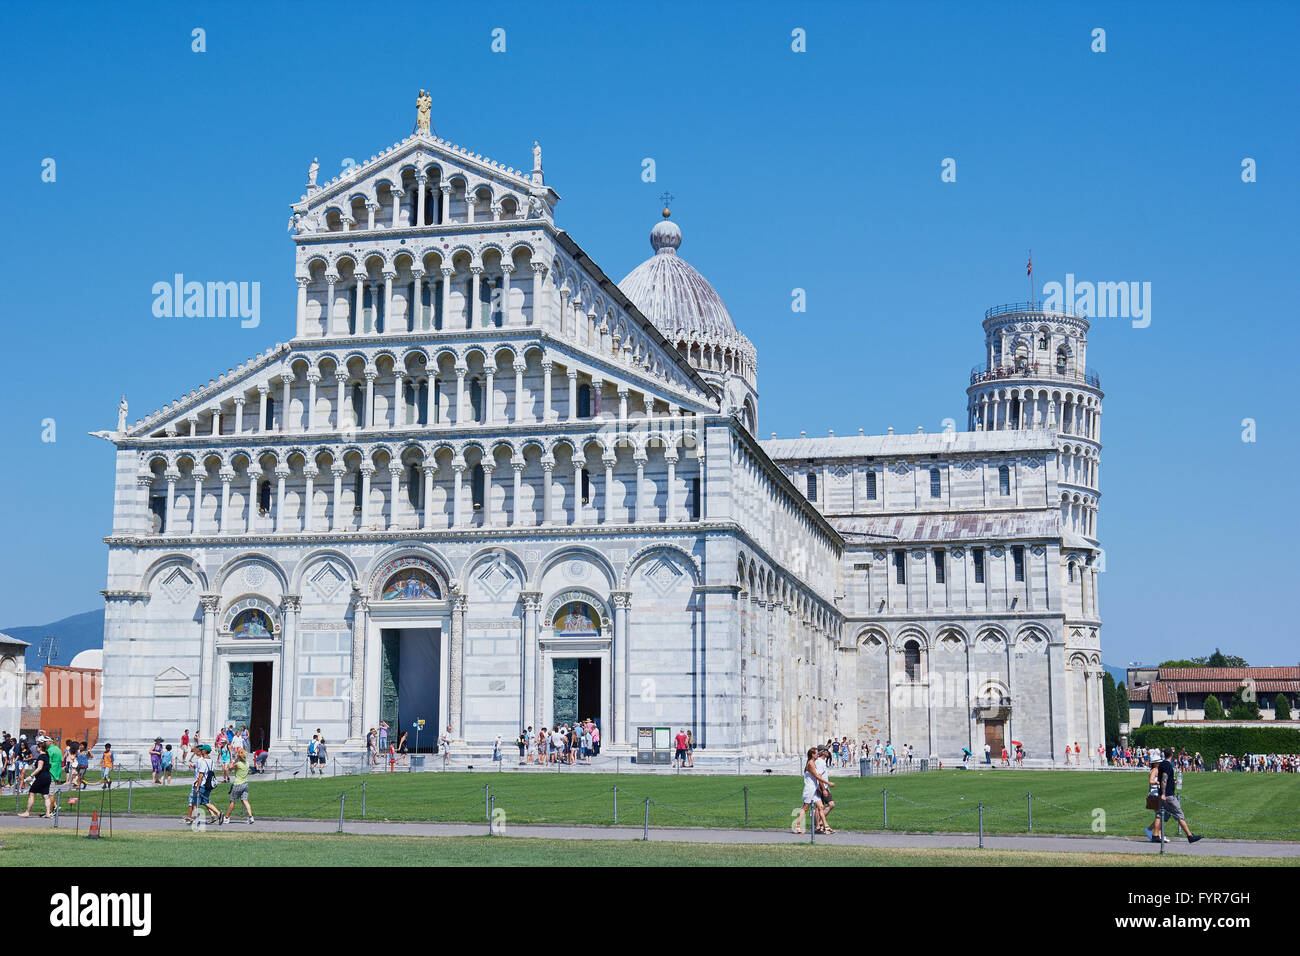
(233, 849)
(1257, 806)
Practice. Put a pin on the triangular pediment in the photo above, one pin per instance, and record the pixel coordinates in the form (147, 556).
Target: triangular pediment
(440, 161)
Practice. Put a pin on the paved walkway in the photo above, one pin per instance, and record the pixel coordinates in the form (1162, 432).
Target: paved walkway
(1052, 844)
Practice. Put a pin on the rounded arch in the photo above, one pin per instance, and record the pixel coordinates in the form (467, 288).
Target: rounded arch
(643, 554)
(174, 559)
(312, 558)
(401, 557)
(568, 553)
(251, 557)
(490, 552)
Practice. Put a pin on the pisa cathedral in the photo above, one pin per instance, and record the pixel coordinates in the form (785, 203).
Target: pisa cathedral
(486, 486)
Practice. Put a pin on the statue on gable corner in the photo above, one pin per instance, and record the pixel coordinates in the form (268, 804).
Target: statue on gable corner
(121, 414)
(312, 170)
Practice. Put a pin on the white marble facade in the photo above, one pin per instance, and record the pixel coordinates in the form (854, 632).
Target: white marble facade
(540, 490)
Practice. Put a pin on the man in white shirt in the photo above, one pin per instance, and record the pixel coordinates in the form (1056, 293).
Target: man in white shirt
(201, 795)
(445, 742)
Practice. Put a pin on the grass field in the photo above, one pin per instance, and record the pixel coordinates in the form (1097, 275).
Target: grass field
(226, 849)
(1252, 806)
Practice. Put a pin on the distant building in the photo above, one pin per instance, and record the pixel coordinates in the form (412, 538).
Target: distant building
(13, 673)
(1159, 694)
(71, 701)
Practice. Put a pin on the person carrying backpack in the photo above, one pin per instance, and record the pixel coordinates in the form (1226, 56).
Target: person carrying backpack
(204, 781)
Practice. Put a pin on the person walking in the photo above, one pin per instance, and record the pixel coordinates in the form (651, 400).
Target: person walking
(239, 787)
(1164, 778)
(679, 757)
(205, 778)
(445, 742)
(167, 759)
(155, 759)
(41, 779)
(823, 796)
(185, 746)
(106, 765)
(811, 781)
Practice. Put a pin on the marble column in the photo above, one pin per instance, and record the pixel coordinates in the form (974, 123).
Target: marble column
(455, 664)
(360, 640)
(620, 699)
(210, 603)
(313, 378)
(430, 469)
(517, 415)
(281, 473)
(290, 608)
(532, 601)
(507, 270)
(518, 466)
(308, 518)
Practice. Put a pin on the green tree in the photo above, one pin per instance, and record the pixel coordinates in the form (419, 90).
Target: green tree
(1244, 705)
(1121, 703)
(1110, 709)
(1282, 707)
(1182, 662)
(1213, 709)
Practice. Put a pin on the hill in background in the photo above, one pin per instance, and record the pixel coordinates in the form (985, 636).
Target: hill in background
(78, 633)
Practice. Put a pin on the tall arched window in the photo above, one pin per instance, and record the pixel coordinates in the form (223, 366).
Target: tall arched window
(936, 483)
(871, 484)
(422, 403)
(410, 394)
(485, 302)
(476, 487)
(812, 486)
(586, 487)
(356, 492)
(584, 401)
(269, 424)
(912, 660)
(358, 404)
(264, 497)
(413, 485)
(1004, 480)
(476, 400)
(1060, 360)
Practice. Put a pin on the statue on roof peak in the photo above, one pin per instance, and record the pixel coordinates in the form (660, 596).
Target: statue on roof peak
(423, 106)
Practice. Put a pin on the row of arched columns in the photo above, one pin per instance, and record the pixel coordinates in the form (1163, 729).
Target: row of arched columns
(1002, 408)
(419, 388)
(533, 483)
(788, 661)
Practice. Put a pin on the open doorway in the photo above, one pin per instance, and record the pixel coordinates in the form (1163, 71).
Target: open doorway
(249, 700)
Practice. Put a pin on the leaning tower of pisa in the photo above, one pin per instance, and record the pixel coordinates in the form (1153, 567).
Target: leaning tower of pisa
(1036, 375)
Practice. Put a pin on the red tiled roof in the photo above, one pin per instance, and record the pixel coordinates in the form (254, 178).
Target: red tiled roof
(1236, 674)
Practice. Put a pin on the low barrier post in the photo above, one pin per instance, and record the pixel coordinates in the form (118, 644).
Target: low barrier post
(128, 794)
(885, 803)
(981, 826)
(746, 790)
(645, 834)
(363, 799)
(616, 806)
(342, 799)
(487, 801)
(1030, 798)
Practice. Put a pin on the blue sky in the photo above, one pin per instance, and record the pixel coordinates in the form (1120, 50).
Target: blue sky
(817, 170)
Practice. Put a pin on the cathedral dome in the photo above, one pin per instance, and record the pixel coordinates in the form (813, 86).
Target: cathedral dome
(673, 295)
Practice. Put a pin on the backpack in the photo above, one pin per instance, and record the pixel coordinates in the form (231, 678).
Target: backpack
(209, 780)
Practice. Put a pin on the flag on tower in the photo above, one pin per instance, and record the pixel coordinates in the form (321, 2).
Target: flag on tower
(1029, 267)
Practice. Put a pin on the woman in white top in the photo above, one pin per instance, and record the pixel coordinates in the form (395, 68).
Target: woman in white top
(811, 780)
